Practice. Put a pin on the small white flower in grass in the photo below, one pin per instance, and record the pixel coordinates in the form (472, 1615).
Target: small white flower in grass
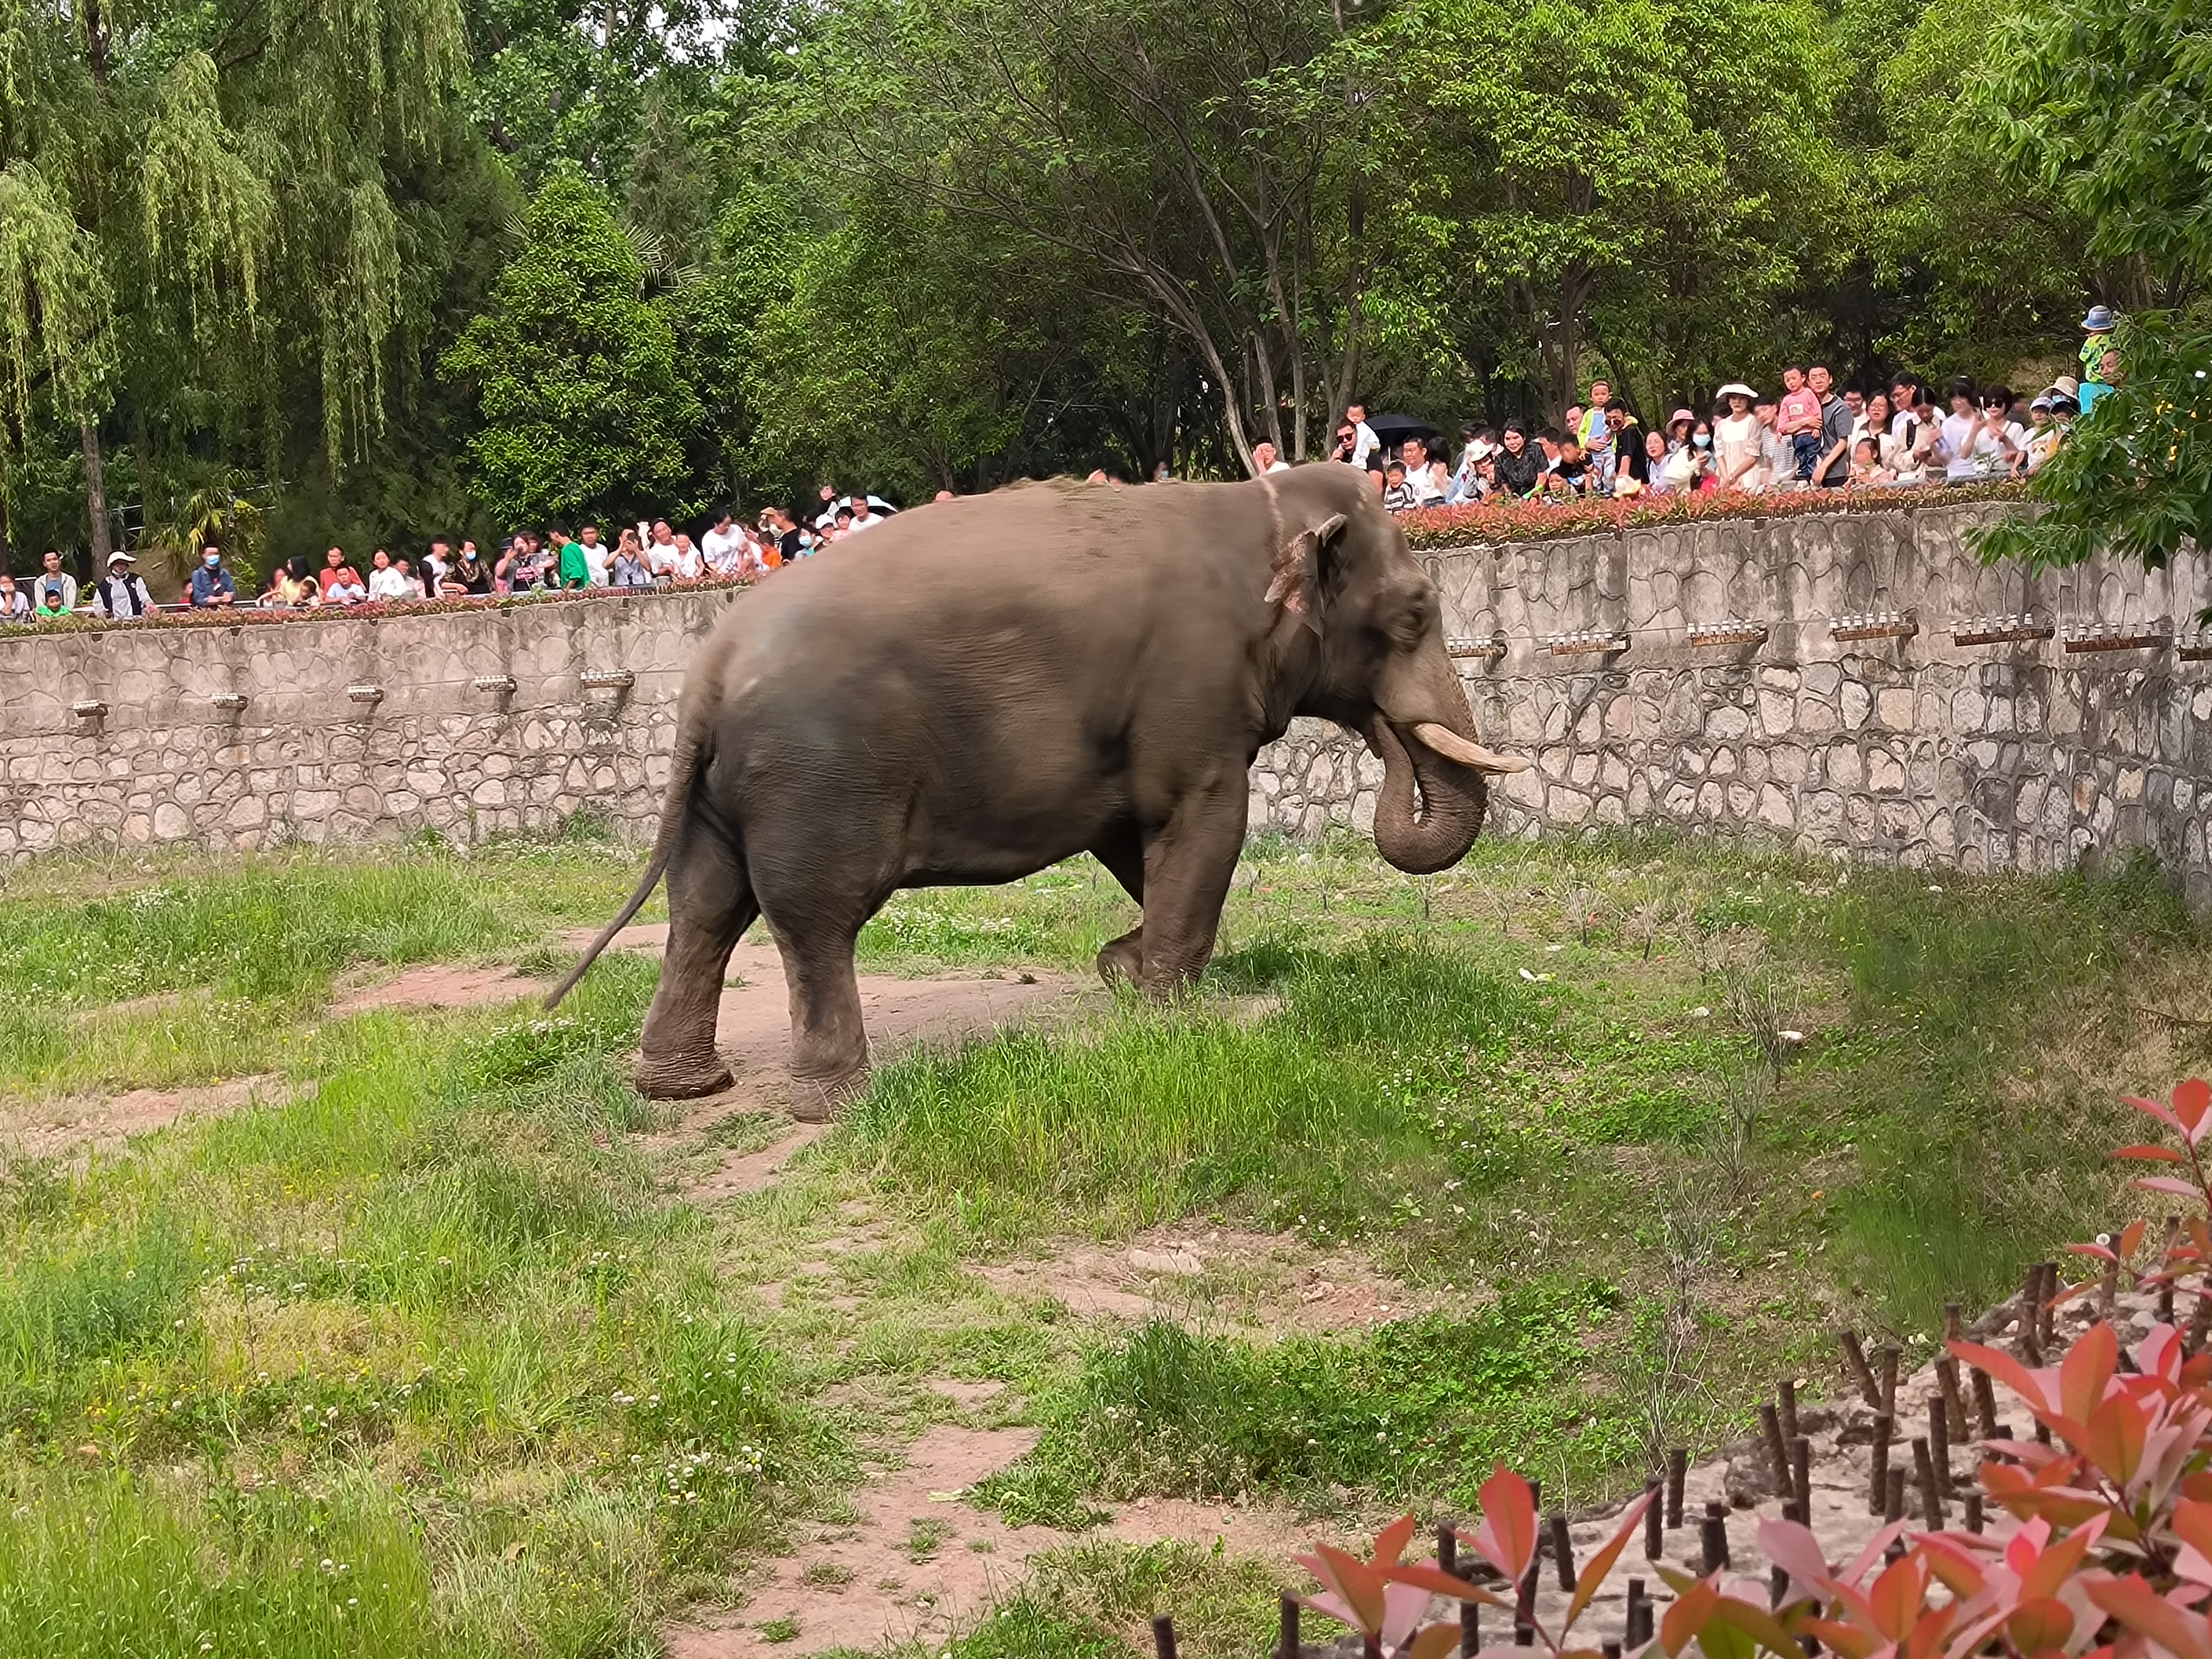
(1791, 1036)
(1701, 1013)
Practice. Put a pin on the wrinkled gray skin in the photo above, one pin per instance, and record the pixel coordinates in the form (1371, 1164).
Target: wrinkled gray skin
(980, 688)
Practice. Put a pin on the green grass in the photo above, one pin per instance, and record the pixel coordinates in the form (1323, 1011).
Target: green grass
(437, 1297)
(427, 1312)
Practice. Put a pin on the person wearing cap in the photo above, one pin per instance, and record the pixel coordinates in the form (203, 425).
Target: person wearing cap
(1735, 437)
(2101, 359)
(121, 592)
(54, 576)
(212, 586)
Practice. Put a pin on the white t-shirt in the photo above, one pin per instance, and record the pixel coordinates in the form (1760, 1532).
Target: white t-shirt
(663, 558)
(1966, 456)
(598, 561)
(389, 584)
(1364, 443)
(724, 550)
(861, 524)
(1280, 467)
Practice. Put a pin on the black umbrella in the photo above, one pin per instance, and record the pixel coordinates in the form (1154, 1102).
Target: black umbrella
(1395, 429)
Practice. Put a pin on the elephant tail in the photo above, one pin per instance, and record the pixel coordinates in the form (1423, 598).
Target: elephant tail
(683, 768)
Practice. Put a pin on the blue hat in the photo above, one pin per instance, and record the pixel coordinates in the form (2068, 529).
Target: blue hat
(2099, 319)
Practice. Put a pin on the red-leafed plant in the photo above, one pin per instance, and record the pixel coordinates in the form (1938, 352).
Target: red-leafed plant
(2111, 1557)
(1549, 521)
(1386, 1599)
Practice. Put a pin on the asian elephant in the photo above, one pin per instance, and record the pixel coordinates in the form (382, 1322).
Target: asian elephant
(982, 687)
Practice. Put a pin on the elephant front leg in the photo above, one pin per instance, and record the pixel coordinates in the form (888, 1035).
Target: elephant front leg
(710, 905)
(1188, 869)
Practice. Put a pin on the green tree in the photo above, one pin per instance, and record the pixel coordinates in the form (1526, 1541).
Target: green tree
(2106, 103)
(1632, 162)
(576, 370)
(202, 188)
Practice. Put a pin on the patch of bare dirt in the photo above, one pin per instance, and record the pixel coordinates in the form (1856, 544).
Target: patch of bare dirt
(83, 1123)
(437, 984)
(752, 1029)
(1215, 1277)
(919, 1563)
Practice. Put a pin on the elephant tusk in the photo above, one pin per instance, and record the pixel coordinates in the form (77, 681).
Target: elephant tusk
(1452, 746)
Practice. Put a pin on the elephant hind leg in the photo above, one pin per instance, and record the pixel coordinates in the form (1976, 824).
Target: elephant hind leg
(829, 1043)
(710, 905)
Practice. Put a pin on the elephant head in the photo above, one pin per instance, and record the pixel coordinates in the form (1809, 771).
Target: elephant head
(1381, 670)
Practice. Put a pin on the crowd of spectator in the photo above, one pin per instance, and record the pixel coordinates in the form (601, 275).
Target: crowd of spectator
(1812, 435)
(653, 555)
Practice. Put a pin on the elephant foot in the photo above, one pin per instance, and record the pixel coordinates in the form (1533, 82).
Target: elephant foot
(820, 1100)
(682, 1077)
(1123, 960)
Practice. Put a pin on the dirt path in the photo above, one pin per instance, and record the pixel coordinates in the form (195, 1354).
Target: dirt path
(919, 1563)
(752, 1029)
(87, 1123)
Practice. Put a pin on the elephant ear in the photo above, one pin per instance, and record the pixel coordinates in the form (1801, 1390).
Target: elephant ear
(1295, 571)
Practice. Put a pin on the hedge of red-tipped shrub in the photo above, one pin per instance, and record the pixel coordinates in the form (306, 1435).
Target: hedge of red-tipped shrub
(2112, 1557)
(1534, 521)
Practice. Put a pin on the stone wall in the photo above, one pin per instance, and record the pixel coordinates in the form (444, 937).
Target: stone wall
(1905, 746)
(2028, 754)
(462, 723)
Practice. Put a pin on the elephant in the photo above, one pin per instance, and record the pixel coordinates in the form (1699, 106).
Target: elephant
(983, 686)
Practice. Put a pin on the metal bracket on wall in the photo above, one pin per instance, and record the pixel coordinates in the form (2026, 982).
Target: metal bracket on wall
(1874, 625)
(88, 708)
(608, 679)
(499, 683)
(2116, 636)
(231, 702)
(1730, 631)
(2196, 647)
(2001, 630)
(371, 694)
(1489, 647)
(1586, 641)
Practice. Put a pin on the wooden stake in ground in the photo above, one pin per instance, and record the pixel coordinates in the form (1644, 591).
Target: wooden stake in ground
(1985, 1403)
(1939, 1443)
(1785, 1391)
(1563, 1550)
(1855, 1360)
(1800, 1474)
(1287, 1636)
(1878, 1464)
(1778, 1448)
(1893, 1505)
(1954, 1326)
(1973, 1509)
(1931, 1496)
(1954, 1400)
(2046, 1313)
(1164, 1642)
(2200, 1321)
(1678, 1470)
(1713, 1536)
(2027, 1338)
(1655, 1519)
(1891, 1354)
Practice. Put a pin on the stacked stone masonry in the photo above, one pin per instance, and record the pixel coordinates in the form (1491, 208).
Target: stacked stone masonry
(2020, 756)
(2013, 755)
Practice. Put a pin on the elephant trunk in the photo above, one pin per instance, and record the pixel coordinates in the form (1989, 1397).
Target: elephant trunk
(1434, 833)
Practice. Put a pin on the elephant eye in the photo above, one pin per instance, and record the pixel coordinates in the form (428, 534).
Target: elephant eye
(1413, 621)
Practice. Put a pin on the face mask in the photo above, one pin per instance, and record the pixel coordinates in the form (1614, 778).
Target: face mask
(213, 560)
(1702, 441)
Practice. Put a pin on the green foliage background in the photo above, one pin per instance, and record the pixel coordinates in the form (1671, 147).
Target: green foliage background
(442, 265)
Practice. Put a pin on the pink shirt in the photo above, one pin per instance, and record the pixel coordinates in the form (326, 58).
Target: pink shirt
(1800, 410)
